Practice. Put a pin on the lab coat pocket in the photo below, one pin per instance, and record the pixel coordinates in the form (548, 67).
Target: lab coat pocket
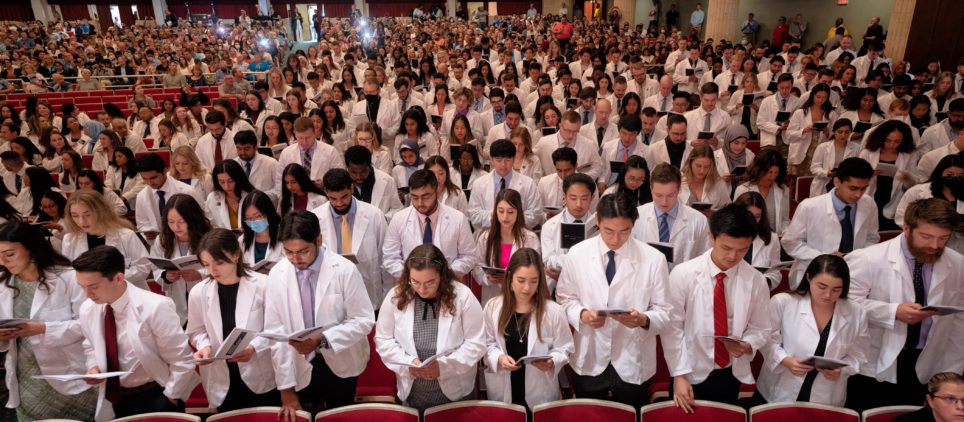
(332, 309)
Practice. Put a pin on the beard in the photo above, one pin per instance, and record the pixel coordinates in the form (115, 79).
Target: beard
(922, 255)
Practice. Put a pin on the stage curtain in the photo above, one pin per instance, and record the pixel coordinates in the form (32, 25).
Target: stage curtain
(16, 12)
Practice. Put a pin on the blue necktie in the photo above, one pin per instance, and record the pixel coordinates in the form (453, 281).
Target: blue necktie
(18, 182)
(161, 202)
(664, 228)
(427, 233)
(611, 267)
(499, 117)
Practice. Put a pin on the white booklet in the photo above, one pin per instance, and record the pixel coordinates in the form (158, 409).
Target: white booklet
(943, 310)
(190, 262)
(296, 336)
(727, 339)
(263, 265)
(73, 377)
(821, 362)
(428, 361)
(887, 169)
(532, 358)
(613, 311)
(237, 341)
(12, 323)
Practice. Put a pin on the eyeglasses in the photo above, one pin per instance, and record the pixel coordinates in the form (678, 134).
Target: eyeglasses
(302, 253)
(425, 284)
(949, 400)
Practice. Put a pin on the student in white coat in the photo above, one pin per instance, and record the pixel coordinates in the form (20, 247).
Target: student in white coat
(828, 155)
(688, 72)
(430, 313)
(812, 231)
(187, 169)
(564, 161)
(578, 201)
(614, 271)
(121, 175)
(298, 192)
(259, 233)
(232, 297)
(568, 136)
(375, 109)
(627, 143)
(667, 220)
(504, 177)
(90, 222)
(816, 319)
(506, 234)
(733, 155)
(184, 225)
(708, 118)
(891, 143)
(131, 330)
(892, 281)
(675, 149)
(259, 168)
(315, 287)
(37, 284)
(159, 187)
(717, 294)
(448, 193)
(218, 143)
(429, 221)
(353, 227)
(802, 133)
(231, 186)
(701, 183)
(766, 175)
(524, 321)
(765, 251)
(316, 157)
(771, 131)
(371, 185)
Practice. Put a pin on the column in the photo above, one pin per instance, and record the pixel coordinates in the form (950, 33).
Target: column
(627, 9)
(42, 11)
(898, 31)
(362, 6)
(722, 19)
(452, 6)
(159, 7)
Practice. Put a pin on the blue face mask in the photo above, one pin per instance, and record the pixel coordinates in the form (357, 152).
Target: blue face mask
(257, 226)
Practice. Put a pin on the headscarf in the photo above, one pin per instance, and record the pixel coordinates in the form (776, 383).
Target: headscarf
(413, 146)
(93, 128)
(733, 132)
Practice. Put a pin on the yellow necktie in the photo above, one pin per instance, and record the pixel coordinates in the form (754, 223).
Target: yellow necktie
(345, 236)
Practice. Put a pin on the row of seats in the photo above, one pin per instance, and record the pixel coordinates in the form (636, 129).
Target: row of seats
(103, 93)
(577, 410)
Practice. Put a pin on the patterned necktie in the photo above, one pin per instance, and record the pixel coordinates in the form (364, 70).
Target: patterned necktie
(662, 107)
(720, 326)
(707, 122)
(345, 235)
(113, 393)
(611, 267)
(306, 160)
(664, 228)
(920, 297)
(427, 232)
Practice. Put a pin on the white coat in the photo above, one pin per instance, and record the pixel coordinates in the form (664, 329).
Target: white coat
(159, 343)
(686, 345)
(815, 230)
(556, 341)
(639, 283)
(689, 233)
(880, 280)
(461, 330)
(263, 170)
(341, 305)
(275, 252)
(205, 329)
(314, 201)
(658, 153)
(325, 158)
(782, 201)
(59, 350)
(766, 256)
(587, 154)
(147, 215)
(179, 289)
(217, 206)
(799, 140)
(482, 202)
(385, 194)
(132, 186)
(137, 267)
(588, 131)
(905, 163)
(723, 167)
(823, 162)
(609, 150)
(490, 289)
(388, 117)
(206, 146)
(795, 334)
(718, 194)
(766, 119)
(367, 235)
(451, 234)
(553, 254)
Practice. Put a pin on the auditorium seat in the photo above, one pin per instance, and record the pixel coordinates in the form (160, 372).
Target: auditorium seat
(886, 414)
(376, 383)
(886, 235)
(369, 412)
(659, 385)
(803, 188)
(256, 414)
(160, 417)
(704, 411)
(753, 146)
(476, 411)
(88, 160)
(164, 154)
(801, 412)
(583, 410)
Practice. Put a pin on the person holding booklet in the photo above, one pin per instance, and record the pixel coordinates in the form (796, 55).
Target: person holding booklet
(891, 152)
(819, 339)
(133, 340)
(828, 155)
(613, 291)
(809, 127)
(733, 157)
(229, 305)
(674, 228)
(576, 222)
(719, 315)
(894, 281)
(527, 336)
(703, 189)
(506, 234)
(41, 298)
(314, 287)
(502, 177)
(764, 253)
(184, 225)
(259, 233)
(812, 231)
(430, 332)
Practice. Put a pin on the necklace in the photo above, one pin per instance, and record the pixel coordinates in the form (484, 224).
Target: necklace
(519, 323)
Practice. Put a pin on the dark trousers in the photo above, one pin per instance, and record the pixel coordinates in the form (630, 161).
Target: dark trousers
(600, 386)
(326, 390)
(148, 398)
(720, 386)
(866, 393)
(239, 396)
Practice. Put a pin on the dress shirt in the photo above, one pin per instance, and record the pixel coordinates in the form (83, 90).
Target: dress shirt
(497, 179)
(671, 218)
(336, 219)
(925, 325)
(838, 208)
(125, 349)
(433, 216)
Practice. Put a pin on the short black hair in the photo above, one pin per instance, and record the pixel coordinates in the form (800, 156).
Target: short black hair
(421, 178)
(105, 260)
(245, 137)
(733, 220)
(631, 122)
(513, 107)
(854, 168)
(299, 225)
(785, 77)
(502, 148)
(149, 162)
(214, 117)
(357, 155)
(616, 205)
(337, 179)
(565, 154)
(579, 179)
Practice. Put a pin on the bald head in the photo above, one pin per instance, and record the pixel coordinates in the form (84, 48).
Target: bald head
(665, 85)
(604, 109)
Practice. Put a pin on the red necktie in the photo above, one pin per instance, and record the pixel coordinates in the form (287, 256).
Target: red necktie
(218, 157)
(113, 361)
(720, 355)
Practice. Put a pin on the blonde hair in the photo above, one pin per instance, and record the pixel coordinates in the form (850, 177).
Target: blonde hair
(934, 384)
(104, 212)
(369, 127)
(187, 152)
(701, 151)
(522, 133)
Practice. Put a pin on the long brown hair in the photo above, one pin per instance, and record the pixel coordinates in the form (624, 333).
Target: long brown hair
(423, 257)
(493, 244)
(524, 257)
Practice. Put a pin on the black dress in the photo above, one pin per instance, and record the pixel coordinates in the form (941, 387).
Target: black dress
(239, 396)
(804, 394)
(516, 346)
(885, 184)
